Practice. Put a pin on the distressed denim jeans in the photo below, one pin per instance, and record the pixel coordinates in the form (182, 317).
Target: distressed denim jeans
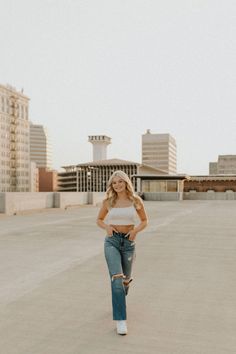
(120, 254)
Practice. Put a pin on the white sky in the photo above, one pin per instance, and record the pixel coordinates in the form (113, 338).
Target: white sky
(119, 67)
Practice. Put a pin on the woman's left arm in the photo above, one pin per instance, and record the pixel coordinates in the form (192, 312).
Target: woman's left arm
(143, 222)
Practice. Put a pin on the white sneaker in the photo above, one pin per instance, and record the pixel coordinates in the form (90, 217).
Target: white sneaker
(121, 327)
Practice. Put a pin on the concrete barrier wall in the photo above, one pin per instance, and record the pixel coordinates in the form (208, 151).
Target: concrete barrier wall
(192, 195)
(98, 198)
(12, 202)
(210, 195)
(68, 199)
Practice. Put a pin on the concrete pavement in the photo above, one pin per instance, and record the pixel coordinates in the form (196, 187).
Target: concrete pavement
(55, 291)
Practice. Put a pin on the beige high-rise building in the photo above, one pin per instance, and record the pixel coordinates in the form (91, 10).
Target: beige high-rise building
(40, 147)
(14, 140)
(159, 151)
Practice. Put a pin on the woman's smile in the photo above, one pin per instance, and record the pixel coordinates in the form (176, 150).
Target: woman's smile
(118, 184)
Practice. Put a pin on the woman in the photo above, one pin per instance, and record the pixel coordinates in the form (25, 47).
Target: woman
(120, 208)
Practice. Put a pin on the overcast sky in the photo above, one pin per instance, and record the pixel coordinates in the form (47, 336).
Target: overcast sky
(119, 67)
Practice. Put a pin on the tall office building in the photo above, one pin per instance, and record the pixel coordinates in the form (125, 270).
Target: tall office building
(14, 141)
(159, 151)
(40, 147)
(226, 164)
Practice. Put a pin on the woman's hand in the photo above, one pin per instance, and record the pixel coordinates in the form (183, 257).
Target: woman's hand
(109, 230)
(132, 235)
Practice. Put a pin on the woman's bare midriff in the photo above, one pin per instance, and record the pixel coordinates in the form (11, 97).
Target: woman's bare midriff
(123, 228)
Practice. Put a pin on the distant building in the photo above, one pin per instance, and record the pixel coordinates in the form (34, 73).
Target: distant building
(215, 183)
(93, 176)
(40, 146)
(47, 180)
(34, 177)
(152, 184)
(159, 151)
(226, 164)
(14, 141)
(213, 168)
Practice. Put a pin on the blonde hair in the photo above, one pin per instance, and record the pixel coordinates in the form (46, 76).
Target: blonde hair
(111, 195)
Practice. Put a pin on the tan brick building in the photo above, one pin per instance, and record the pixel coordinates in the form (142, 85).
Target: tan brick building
(47, 180)
(215, 183)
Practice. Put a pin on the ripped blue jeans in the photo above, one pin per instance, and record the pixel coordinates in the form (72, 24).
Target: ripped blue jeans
(120, 254)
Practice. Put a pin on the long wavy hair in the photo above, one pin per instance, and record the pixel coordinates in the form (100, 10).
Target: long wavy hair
(111, 195)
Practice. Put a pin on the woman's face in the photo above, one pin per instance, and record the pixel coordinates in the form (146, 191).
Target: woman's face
(118, 184)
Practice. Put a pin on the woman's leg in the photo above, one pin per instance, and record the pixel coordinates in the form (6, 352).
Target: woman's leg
(113, 258)
(127, 260)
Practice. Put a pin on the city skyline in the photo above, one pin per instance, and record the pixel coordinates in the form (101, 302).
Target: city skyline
(118, 69)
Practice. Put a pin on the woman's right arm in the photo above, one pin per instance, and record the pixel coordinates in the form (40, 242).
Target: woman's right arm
(100, 219)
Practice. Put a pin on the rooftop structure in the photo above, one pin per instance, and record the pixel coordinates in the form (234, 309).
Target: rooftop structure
(93, 176)
(53, 270)
(161, 183)
(100, 143)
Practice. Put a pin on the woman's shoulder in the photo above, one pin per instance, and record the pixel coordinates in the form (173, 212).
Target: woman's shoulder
(138, 202)
(106, 204)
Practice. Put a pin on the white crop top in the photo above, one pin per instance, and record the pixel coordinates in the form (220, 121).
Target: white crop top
(122, 216)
